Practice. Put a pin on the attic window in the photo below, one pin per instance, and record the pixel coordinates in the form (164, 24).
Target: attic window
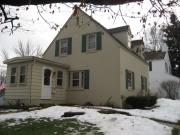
(64, 47)
(91, 42)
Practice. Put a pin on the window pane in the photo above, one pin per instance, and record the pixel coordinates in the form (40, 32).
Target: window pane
(75, 83)
(91, 41)
(60, 74)
(47, 74)
(13, 79)
(64, 46)
(75, 75)
(59, 82)
(13, 71)
(22, 70)
(22, 79)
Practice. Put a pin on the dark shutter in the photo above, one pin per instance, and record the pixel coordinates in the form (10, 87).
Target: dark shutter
(145, 83)
(69, 45)
(83, 43)
(133, 81)
(86, 79)
(126, 76)
(141, 83)
(150, 66)
(57, 48)
(98, 41)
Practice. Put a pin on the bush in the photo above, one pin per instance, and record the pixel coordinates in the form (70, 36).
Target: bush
(141, 102)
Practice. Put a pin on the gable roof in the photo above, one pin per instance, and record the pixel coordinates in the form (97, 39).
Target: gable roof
(119, 29)
(110, 34)
(154, 55)
(33, 58)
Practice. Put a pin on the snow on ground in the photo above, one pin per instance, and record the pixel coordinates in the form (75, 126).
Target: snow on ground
(168, 110)
(110, 124)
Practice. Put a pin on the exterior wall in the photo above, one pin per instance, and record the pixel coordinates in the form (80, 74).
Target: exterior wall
(158, 75)
(15, 92)
(58, 94)
(139, 67)
(30, 92)
(103, 64)
(123, 37)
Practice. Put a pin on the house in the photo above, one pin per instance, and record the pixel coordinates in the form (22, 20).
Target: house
(85, 62)
(159, 70)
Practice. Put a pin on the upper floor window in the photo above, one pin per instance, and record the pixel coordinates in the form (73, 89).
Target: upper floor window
(59, 78)
(150, 66)
(13, 75)
(22, 74)
(130, 81)
(63, 47)
(91, 42)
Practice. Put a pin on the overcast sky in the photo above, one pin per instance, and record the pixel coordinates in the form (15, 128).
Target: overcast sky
(41, 34)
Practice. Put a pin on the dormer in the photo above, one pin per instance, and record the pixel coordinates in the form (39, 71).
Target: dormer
(123, 34)
(138, 47)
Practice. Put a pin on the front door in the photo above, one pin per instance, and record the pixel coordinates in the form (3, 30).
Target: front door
(46, 84)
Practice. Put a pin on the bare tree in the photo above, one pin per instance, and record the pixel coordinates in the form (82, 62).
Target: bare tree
(171, 88)
(27, 49)
(4, 54)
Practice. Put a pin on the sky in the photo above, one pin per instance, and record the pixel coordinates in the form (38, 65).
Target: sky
(41, 34)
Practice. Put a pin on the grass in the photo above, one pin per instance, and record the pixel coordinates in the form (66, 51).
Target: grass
(175, 131)
(45, 126)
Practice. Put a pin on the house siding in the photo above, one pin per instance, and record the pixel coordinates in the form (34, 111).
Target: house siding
(102, 65)
(139, 67)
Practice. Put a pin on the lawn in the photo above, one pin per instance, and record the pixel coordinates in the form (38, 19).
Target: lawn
(45, 126)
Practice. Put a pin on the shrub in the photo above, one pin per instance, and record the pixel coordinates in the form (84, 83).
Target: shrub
(88, 104)
(141, 101)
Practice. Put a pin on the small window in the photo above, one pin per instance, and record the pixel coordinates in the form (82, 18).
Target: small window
(129, 79)
(91, 41)
(47, 76)
(64, 47)
(13, 75)
(59, 78)
(143, 83)
(22, 74)
(77, 79)
(150, 66)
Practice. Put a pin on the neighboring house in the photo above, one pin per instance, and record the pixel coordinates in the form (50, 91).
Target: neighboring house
(2, 91)
(159, 70)
(84, 63)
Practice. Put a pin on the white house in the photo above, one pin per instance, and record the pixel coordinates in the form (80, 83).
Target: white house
(159, 70)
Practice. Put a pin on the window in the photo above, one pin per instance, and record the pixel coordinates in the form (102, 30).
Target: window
(59, 78)
(150, 66)
(91, 42)
(47, 76)
(13, 75)
(79, 79)
(64, 47)
(22, 74)
(143, 83)
(130, 80)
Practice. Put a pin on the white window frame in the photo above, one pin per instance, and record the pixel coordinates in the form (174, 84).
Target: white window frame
(22, 74)
(89, 43)
(80, 79)
(64, 44)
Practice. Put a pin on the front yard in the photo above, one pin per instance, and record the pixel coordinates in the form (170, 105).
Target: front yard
(50, 121)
